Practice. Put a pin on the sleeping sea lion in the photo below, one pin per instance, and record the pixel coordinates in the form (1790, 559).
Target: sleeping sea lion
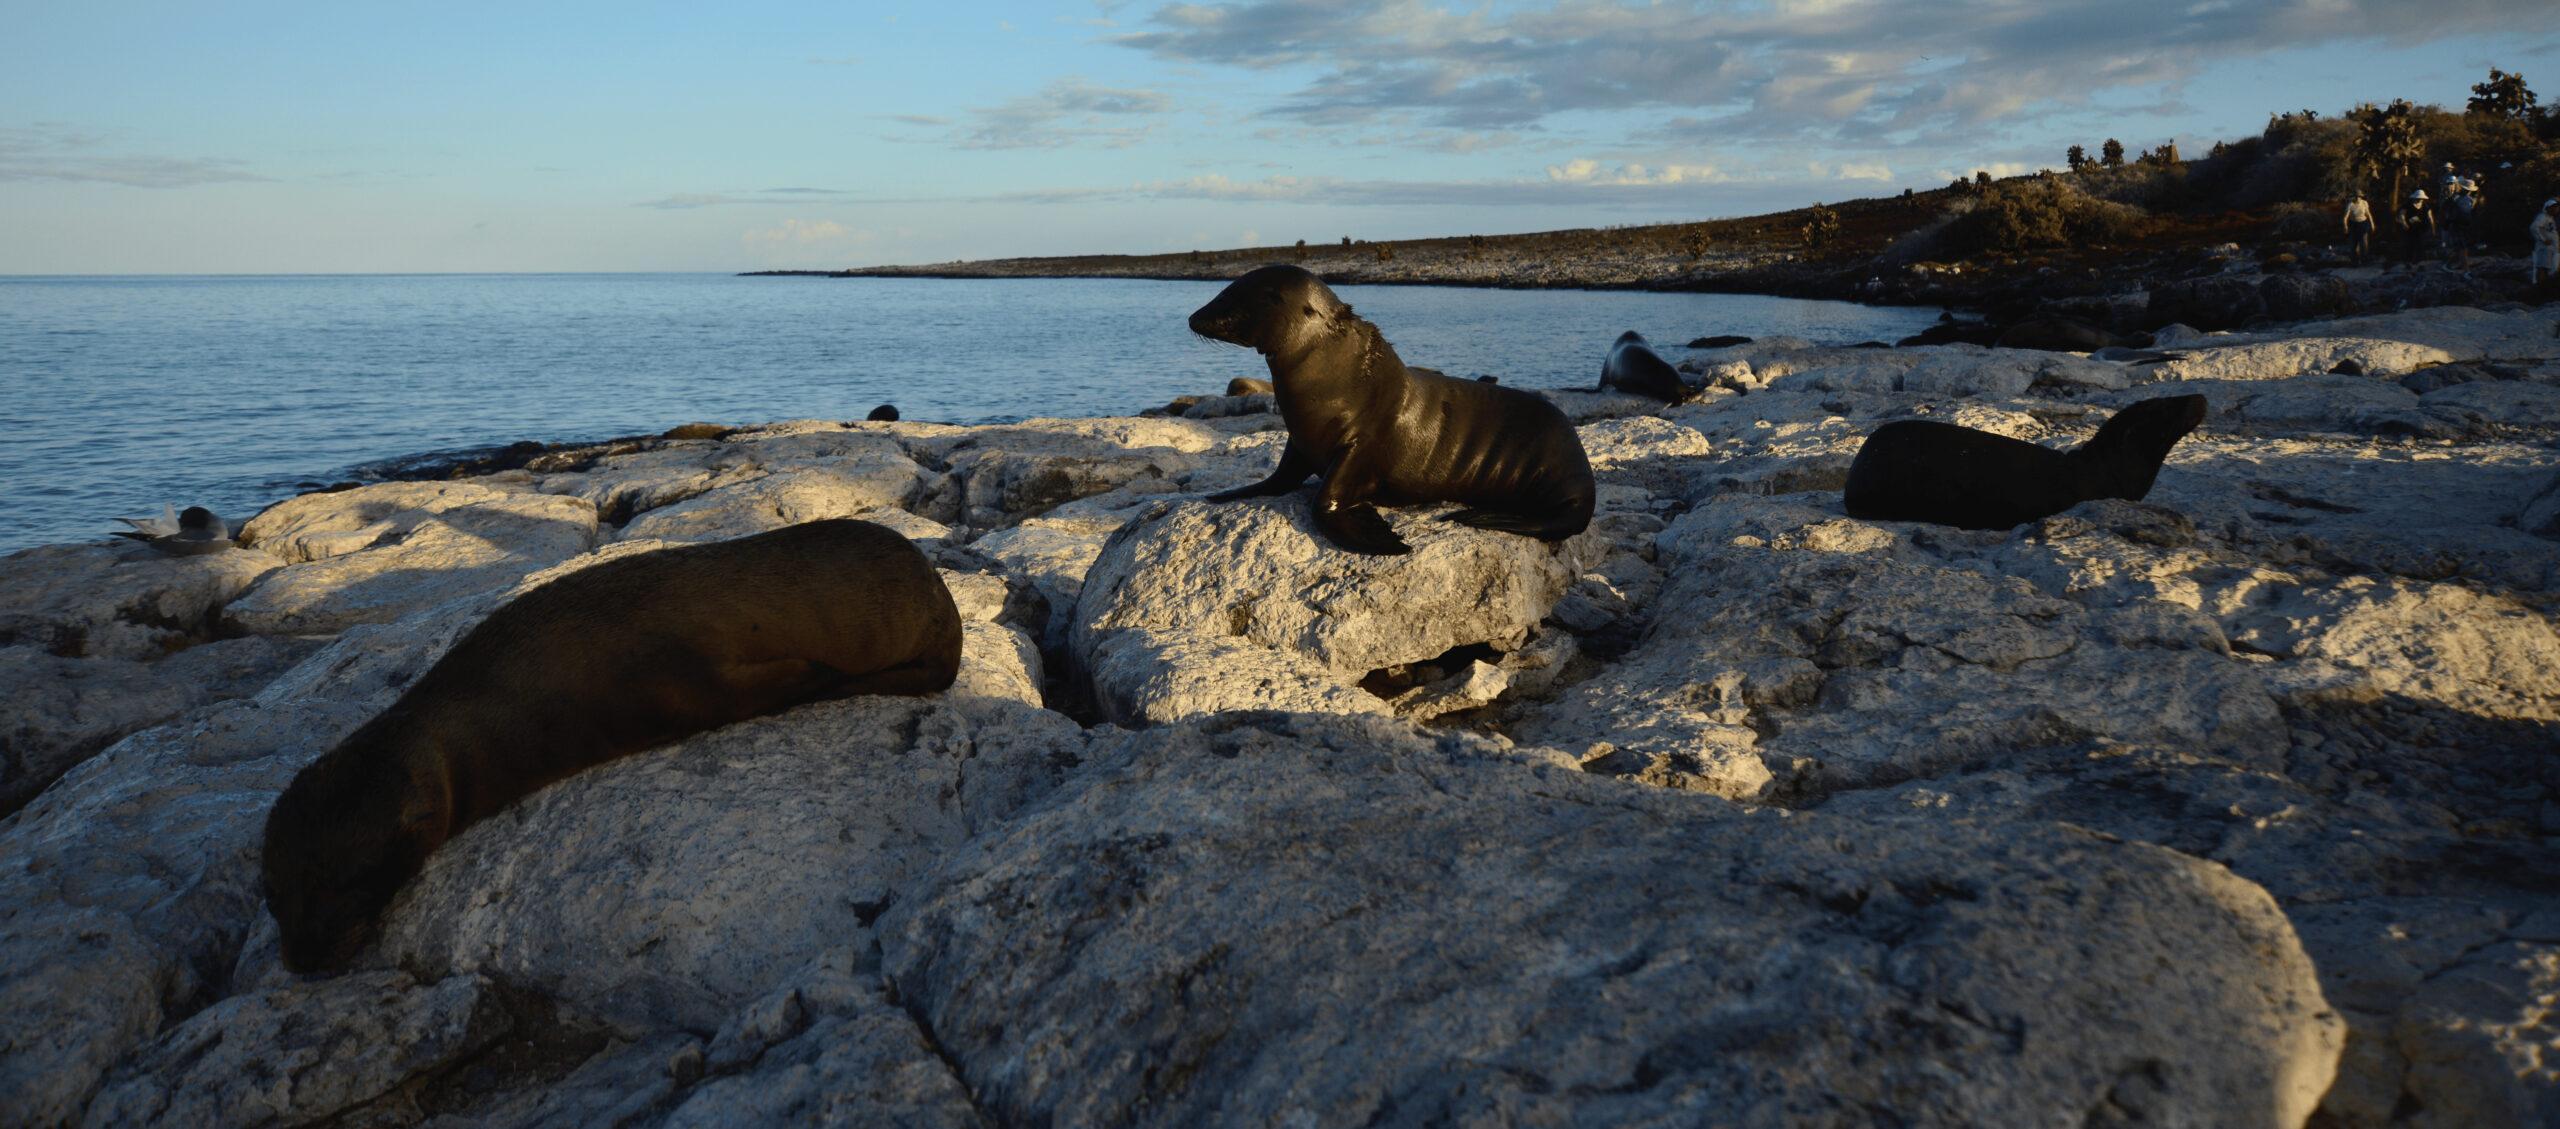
(598, 664)
(1633, 366)
(1922, 470)
(1381, 433)
(2063, 335)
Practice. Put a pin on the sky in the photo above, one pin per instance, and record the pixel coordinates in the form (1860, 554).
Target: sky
(249, 137)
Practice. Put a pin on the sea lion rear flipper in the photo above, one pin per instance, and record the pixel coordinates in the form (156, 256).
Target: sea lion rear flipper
(922, 676)
(1361, 529)
(1503, 522)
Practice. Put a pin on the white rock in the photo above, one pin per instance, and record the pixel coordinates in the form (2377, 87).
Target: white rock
(120, 600)
(872, 490)
(301, 1052)
(674, 886)
(56, 712)
(453, 544)
(1259, 573)
(1560, 949)
(2515, 402)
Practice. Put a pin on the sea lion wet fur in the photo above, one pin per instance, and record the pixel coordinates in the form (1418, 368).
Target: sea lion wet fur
(1922, 470)
(599, 664)
(1381, 433)
(1633, 366)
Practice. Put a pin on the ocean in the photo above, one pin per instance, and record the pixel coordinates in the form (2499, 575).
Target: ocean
(119, 395)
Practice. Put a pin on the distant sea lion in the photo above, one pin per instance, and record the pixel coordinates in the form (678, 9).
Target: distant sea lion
(1381, 433)
(2063, 335)
(1248, 386)
(1949, 331)
(1719, 341)
(1633, 366)
(598, 664)
(885, 413)
(697, 431)
(1922, 470)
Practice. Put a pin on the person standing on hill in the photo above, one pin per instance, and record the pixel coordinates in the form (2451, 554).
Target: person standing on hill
(2359, 226)
(2546, 242)
(2458, 213)
(2417, 227)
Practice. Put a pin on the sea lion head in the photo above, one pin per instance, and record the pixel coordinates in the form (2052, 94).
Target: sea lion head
(2128, 449)
(1278, 311)
(341, 841)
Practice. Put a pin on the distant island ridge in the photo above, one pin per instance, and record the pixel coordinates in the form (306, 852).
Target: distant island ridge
(2108, 225)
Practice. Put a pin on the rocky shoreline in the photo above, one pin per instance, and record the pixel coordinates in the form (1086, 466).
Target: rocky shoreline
(2237, 806)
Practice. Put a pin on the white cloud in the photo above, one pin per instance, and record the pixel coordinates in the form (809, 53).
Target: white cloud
(1583, 170)
(1068, 111)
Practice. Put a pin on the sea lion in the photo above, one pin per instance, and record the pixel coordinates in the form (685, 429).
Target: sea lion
(1922, 470)
(1381, 433)
(2064, 335)
(1633, 366)
(885, 413)
(598, 664)
(1719, 341)
(1248, 386)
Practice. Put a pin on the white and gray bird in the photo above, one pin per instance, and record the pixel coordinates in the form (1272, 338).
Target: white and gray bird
(182, 533)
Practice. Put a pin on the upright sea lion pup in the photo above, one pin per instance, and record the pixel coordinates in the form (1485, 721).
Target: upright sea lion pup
(1381, 433)
(1633, 366)
(1922, 470)
(598, 664)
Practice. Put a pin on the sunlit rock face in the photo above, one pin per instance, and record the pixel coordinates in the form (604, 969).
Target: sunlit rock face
(2234, 805)
(1177, 613)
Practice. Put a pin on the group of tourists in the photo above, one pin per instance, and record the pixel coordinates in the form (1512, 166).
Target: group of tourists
(2449, 219)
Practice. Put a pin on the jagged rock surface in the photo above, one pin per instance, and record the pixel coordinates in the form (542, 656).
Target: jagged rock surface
(2321, 655)
(1275, 920)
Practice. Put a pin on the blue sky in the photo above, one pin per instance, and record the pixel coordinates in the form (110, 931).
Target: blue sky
(269, 137)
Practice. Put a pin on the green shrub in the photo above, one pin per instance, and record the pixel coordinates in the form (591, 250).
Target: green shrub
(2031, 213)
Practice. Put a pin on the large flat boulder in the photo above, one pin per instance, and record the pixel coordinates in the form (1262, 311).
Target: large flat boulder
(1276, 919)
(375, 554)
(628, 888)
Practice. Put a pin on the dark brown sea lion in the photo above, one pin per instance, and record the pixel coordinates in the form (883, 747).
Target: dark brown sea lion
(1633, 366)
(1922, 470)
(2063, 335)
(1248, 386)
(885, 413)
(598, 664)
(1381, 433)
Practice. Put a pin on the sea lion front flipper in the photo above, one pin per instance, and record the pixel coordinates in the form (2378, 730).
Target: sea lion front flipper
(1289, 475)
(1361, 529)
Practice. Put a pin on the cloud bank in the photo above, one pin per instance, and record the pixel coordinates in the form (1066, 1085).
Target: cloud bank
(1807, 70)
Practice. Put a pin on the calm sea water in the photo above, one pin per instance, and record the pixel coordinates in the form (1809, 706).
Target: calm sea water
(118, 395)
